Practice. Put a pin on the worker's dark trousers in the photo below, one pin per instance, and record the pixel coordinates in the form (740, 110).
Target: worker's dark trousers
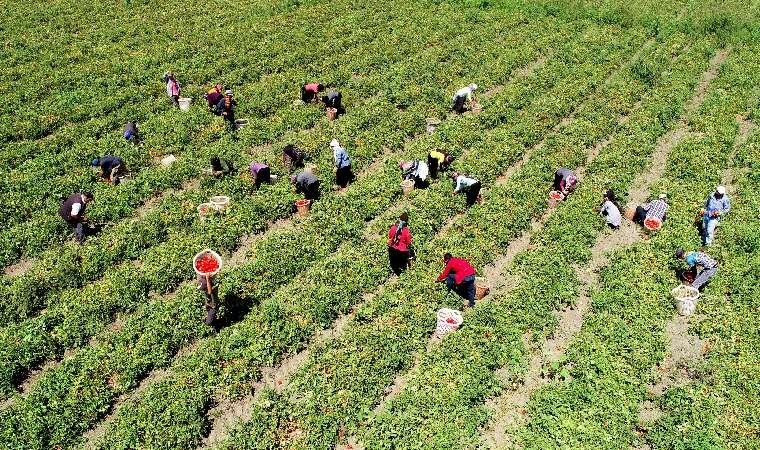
(311, 191)
(419, 183)
(466, 289)
(175, 100)
(557, 182)
(343, 176)
(640, 215)
(307, 96)
(458, 105)
(262, 176)
(398, 259)
(433, 167)
(472, 193)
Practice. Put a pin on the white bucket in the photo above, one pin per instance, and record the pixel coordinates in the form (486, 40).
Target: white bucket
(686, 299)
(220, 202)
(241, 123)
(168, 160)
(211, 253)
(448, 320)
(184, 103)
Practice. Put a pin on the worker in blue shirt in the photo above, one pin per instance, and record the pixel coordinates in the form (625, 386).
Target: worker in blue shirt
(716, 206)
(110, 167)
(343, 173)
(706, 266)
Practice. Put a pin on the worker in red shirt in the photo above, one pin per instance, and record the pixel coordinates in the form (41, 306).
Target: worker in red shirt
(309, 91)
(459, 276)
(400, 244)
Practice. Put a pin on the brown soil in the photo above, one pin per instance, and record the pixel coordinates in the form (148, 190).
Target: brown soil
(20, 268)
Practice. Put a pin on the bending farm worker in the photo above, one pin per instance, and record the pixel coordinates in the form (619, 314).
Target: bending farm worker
(565, 181)
(464, 95)
(220, 166)
(310, 91)
(438, 161)
(72, 211)
(716, 206)
(343, 174)
(416, 171)
(110, 167)
(656, 209)
(292, 157)
(260, 172)
(467, 185)
(610, 210)
(334, 99)
(213, 96)
(400, 245)
(173, 89)
(226, 108)
(307, 184)
(706, 266)
(130, 132)
(459, 276)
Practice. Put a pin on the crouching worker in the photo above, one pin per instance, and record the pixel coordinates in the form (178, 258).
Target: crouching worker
(438, 161)
(416, 171)
(467, 185)
(463, 96)
(72, 211)
(307, 184)
(111, 167)
(207, 284)
(565, 181)
(261, 173)
(221, 167)
(610, 210)
(656, 209)
(334, 99)
(705, 266)
(399, 245)
(293, 157)
(459, 276)
(130, 133)
(310, 92)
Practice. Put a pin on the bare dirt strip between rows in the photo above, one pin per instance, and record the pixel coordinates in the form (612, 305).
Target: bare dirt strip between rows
(511, 405)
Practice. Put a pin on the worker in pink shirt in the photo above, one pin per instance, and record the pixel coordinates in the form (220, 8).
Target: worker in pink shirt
(400, 244)
(459, 276)
(310, 91)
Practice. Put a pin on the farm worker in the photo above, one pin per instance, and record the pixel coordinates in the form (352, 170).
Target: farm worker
(438, 161)
(207, 284)
(292, 156)
(226, 108)
(213, 96)
(220, 166)
(565, 180)
(716, 205)
(467, 185)
(610, 210)
(464, 95)
(459, 276)
(130, 132)
(416, 171)
(656, 209)
(334, 99)
(110, 167)
(307, 184)
(173, 88)
(343, 174)
(72, 211)
(706, 266)
(399, 244)
(261, 173)
(310, 91)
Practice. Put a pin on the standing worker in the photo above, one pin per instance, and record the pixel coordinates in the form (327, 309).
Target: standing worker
(343, 174)
(307, 184)
(656, 209)
(716, 206)
(460, 277)
(207, 285)
(213, 96)
(72, 211)
(173, 88)
(400, 245)
(292, 157)
(226, 108)
(706, 266)
(464, 95)
(610, 210)
(110, 167)
(565, 181)
(438, 161)
(416, 171)
(467, 185)
(130, 132)
(261, 173)
(310, 91)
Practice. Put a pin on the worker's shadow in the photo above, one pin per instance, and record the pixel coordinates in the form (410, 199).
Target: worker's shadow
(235, 309)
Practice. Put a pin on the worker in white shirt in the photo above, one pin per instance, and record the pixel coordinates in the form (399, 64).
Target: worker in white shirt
(467, 185)
(464, 95)
(416, 171)
(72, 211)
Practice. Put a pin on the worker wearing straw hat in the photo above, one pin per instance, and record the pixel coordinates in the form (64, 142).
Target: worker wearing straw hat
(656, 209)
(716, 206)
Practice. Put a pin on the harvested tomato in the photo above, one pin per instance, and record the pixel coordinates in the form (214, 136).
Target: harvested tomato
(207, 264)
(451, 321)
(652, 224)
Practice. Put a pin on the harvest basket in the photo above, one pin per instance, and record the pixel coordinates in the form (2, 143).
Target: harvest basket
(210, 258)
(407, 186)
(241, 123)
(184, 103)
(482, 288)
(652, 223)
(686, 299)
(303, 206)
(629, 213)
(555, 197)
(332, 113)
(448, 320)
(220, 202)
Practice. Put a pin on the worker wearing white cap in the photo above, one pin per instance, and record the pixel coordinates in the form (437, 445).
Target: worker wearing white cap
(656, 209)
(343, 174)
(716, 205)
(464, 95)
(226, 108)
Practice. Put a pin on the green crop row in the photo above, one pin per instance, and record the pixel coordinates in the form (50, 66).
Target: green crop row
(273, 246)
(285, 322)
(455, 379)
(345, 377)
(610, 360)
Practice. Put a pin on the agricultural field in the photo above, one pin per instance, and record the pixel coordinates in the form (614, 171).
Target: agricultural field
(317, 345)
